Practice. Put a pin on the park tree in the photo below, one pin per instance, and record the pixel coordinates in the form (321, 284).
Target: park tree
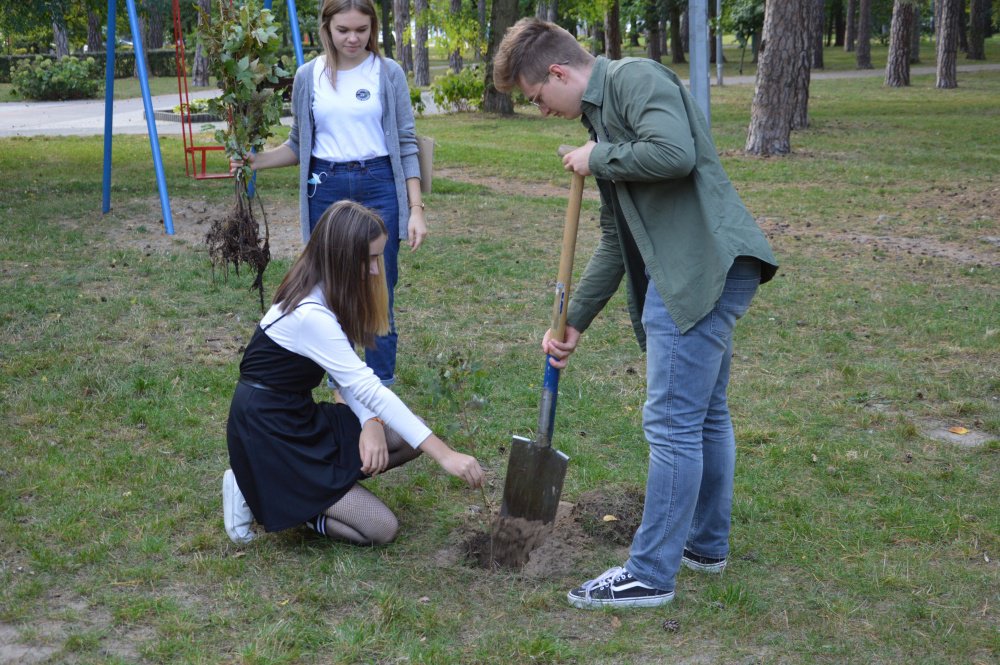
(851, 26)
(979, 25)
(785, 51)
(613, 31)
(199, 66)
(401, 20)
(904, 22)
(652, 20)
(503, 16)
(421, 58)
(863, 49)
(947, 43)
(745, 20)
(818, 23)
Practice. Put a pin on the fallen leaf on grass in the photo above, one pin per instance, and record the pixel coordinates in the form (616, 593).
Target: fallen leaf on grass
(609, 518)
(958, 430)
(616, 623)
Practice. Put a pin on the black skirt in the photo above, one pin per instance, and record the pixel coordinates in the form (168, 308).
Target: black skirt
(293, 457)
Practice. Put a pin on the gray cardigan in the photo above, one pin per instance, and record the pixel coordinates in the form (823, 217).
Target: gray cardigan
(397, 122)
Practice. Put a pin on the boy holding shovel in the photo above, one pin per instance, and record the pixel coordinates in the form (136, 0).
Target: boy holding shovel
(693, 256)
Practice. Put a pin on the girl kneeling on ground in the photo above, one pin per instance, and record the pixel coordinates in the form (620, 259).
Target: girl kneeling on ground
(295, 461)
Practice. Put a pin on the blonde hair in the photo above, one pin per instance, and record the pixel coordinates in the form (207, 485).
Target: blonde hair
(337, 256)
(529, 47)
(330, 8)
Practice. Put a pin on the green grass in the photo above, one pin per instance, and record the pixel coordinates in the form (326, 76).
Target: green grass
(857, 537)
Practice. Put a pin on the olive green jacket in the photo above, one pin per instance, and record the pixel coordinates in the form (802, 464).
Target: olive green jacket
(668, 208)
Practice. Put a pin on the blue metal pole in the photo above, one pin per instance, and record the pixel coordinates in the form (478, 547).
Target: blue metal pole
(147, 103)
(109, 103)
(293, 23)
(698, 48)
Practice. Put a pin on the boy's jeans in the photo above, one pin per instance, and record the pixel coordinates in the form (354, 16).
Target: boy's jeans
(692, 451)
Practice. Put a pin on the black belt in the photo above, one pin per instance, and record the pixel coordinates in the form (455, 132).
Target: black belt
(263, 386)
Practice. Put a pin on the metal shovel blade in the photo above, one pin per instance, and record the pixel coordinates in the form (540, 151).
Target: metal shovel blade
(535, 476)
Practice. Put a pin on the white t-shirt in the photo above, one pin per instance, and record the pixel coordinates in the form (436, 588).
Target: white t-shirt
(348, 119)
(312, 330)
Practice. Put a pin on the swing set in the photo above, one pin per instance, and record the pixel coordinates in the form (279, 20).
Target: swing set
(195, 156)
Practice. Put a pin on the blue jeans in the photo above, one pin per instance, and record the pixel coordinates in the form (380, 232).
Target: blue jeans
(692, 450)
(369, 183)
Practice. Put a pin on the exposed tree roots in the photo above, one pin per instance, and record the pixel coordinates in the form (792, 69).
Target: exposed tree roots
(235, 239)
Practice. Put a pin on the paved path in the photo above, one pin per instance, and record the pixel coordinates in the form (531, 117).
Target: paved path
(86, 118)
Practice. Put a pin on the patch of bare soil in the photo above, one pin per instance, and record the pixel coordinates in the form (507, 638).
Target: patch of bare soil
(43, 639)
(601, 517)
(985, 252)
(193, 219)
(512, 187)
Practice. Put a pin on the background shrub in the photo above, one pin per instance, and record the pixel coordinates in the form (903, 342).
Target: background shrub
(67, 78)
(462, 91)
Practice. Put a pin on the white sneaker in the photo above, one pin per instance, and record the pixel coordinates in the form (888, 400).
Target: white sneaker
(236, 514)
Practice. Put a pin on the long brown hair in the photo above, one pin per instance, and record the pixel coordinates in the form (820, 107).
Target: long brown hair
(338, 257)
(331, 8)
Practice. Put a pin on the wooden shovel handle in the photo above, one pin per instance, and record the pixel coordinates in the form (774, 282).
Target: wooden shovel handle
(565, 275)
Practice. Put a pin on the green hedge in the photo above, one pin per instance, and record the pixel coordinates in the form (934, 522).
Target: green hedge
(161, 62)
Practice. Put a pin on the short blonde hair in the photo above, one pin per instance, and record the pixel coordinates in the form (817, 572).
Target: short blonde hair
(529, 47)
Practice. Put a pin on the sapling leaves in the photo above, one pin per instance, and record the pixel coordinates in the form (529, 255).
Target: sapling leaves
(243, 47)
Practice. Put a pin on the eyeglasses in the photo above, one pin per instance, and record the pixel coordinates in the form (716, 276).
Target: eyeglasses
(535, 100)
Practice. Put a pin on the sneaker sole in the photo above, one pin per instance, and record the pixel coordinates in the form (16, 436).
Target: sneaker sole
(594, 604)
(228, 510)
(712, 568)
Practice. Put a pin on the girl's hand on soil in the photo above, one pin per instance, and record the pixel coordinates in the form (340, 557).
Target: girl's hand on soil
(457, 464)
(417, 227)
(374, 452)
(560, 351)
(465, 467)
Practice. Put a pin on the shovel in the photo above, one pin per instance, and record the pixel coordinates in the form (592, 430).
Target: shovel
(536, 470)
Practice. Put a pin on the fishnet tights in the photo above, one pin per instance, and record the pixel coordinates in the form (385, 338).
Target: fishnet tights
(360, 517)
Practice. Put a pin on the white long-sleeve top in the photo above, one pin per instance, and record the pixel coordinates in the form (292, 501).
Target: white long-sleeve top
(312, 330)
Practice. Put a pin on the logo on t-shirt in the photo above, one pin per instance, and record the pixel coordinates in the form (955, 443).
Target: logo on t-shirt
(362, 95)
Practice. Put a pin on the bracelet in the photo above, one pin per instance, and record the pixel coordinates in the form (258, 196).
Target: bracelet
(418, 205)
(376, 419)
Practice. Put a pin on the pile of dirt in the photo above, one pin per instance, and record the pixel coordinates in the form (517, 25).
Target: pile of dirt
(607, 516)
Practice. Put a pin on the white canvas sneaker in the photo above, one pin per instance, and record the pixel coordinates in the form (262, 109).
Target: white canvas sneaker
(236, 514)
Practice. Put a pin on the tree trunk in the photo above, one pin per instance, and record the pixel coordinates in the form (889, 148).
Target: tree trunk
(947, 46)
(800, 111)
(784, 51)
(613, 31)
(59, 36)
(819, 23)
(94, 41)
(199, 67)
(547, 10)
(915, 36)
(897, 67)
(455, 57)
(652, 21)
(155, 25)
(387, 26)
(401, 21)
(863, 50)
(839, 25)
(421, 58)
(851, 22)
(963, 37)
(979, 23)
(676, 38)
(503, 16)
(481, 8)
